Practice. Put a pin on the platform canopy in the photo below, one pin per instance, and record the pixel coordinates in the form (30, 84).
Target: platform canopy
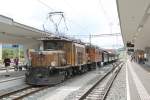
(16, 33)
(134, 18)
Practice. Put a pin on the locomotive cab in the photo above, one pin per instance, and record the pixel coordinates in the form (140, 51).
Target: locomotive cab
(44, 65)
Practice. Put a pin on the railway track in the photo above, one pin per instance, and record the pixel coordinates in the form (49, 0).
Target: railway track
(27, 91)
(101, 88)
(9, 82)
(20, 94)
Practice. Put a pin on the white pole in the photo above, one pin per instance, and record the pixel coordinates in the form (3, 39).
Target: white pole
(18, 52)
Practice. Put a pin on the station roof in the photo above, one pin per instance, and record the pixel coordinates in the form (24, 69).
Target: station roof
(14, 32)
(135, 22)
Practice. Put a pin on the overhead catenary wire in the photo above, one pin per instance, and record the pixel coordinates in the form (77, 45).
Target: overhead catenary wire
(106, 15)
(77, 24)
(104, 11)
(61, 14)
(48, 6)
(52, 10)
(83, 28)
(65, 20)
(96, 35)
(109, 22)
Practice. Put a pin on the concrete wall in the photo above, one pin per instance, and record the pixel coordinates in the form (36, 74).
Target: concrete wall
(0, 51)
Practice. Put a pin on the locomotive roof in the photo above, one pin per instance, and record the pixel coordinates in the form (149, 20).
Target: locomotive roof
(49, 51)
(56, 38)
(94, 46)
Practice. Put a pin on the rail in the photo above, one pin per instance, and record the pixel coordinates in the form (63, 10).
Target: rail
(21, 93)
(109, 84)
(11, 79)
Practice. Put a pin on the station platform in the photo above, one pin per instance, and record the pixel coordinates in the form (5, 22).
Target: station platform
(132, 83)
(11, 74)
(11, 79)
(137, 81)
(13, 82)
(10, 68)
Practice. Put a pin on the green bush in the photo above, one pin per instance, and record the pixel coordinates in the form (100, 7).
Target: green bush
(12, 53)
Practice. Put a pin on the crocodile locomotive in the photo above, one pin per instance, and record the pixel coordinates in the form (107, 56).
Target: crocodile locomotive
(62, 58)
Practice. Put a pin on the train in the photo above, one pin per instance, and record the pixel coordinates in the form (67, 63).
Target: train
(61, 58)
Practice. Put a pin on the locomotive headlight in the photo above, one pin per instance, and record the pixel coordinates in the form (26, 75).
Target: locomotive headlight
(53, 63)
(39, 52)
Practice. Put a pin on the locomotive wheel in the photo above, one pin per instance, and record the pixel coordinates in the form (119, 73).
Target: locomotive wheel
(89, 67)
(64, 78)
(63, 74)
(70, 73)
(81, 71)
(66, 75)
(86, 68)
(75, 71)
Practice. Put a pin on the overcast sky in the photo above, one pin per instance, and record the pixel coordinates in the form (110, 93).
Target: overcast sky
(83, 17)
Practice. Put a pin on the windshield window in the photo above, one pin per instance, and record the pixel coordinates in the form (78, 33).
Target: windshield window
(53, 46)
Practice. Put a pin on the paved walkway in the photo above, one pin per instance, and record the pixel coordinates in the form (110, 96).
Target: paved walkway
(138, 81)
(11, 73)
(118, 89)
